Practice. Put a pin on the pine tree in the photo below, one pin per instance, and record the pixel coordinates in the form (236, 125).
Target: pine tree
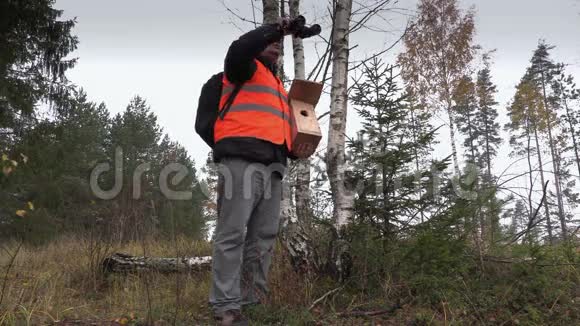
(568, 96)
(137, 134)
(542, 72)
(60, 153)
(527, 118)
(178, 216)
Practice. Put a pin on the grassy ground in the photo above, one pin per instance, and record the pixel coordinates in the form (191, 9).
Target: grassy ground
(59, 284)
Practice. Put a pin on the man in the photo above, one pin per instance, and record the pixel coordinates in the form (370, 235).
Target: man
(252, 144)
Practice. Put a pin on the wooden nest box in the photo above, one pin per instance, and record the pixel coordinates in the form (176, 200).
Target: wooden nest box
(306, 135)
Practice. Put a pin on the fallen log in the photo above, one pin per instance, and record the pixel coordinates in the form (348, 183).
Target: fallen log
(124, 263)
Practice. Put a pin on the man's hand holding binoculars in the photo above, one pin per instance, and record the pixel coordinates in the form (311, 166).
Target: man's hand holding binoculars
(297, 27)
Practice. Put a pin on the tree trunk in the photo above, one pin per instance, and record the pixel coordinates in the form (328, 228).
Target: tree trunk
(556, 168)
(123, 263)
(452, 136)
(271, 10)
(487, 147)
(295, 239)
(541, 167)
(561, 214)
(297, 44)
(342, 198)
(531, 179)
(302, 195)
(480, 215)
(271, 13)
(488, 183)
(281, 73)
(573, 134)
(415, 125)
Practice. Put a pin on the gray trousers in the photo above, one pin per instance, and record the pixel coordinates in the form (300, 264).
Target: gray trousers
(249, 196)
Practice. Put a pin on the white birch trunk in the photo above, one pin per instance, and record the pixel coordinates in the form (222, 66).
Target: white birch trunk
(294, 237)
(271, 12)
(302, 195)
(123, 263)
(342, 198)
(271, 9)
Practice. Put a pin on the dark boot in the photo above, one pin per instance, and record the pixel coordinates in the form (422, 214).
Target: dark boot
(231, 318)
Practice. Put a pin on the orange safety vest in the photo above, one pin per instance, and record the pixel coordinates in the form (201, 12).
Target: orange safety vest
(260, 110)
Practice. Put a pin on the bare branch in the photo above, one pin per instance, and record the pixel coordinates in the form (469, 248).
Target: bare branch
(238, 16)
(532, 221)
(372, 12)
(254, 13)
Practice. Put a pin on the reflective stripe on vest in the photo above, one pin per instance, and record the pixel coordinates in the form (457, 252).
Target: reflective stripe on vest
(259, 110)
(255, 89)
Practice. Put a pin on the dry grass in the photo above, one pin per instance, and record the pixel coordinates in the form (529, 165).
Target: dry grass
(60, 283)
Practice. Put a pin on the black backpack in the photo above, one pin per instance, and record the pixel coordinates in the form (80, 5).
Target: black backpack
(208, 109)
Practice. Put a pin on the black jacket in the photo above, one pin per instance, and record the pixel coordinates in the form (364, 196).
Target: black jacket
(239, 67)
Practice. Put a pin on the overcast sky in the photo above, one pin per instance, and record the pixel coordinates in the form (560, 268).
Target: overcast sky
(165, 51)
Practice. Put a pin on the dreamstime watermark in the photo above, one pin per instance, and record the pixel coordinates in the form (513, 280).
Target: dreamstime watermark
(243, 180)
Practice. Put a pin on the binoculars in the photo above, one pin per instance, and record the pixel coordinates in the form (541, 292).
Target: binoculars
(299, 29)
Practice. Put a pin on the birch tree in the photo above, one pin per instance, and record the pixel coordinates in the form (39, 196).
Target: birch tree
(295, 238)
(335, 156)
(302, 191)
(438, 51)
(342, 198)
(271, 11)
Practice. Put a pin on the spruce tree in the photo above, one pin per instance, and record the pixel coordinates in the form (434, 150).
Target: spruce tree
(476, 117)
(33, 59)
(466, 107)
(384, 153)
(489, 139)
